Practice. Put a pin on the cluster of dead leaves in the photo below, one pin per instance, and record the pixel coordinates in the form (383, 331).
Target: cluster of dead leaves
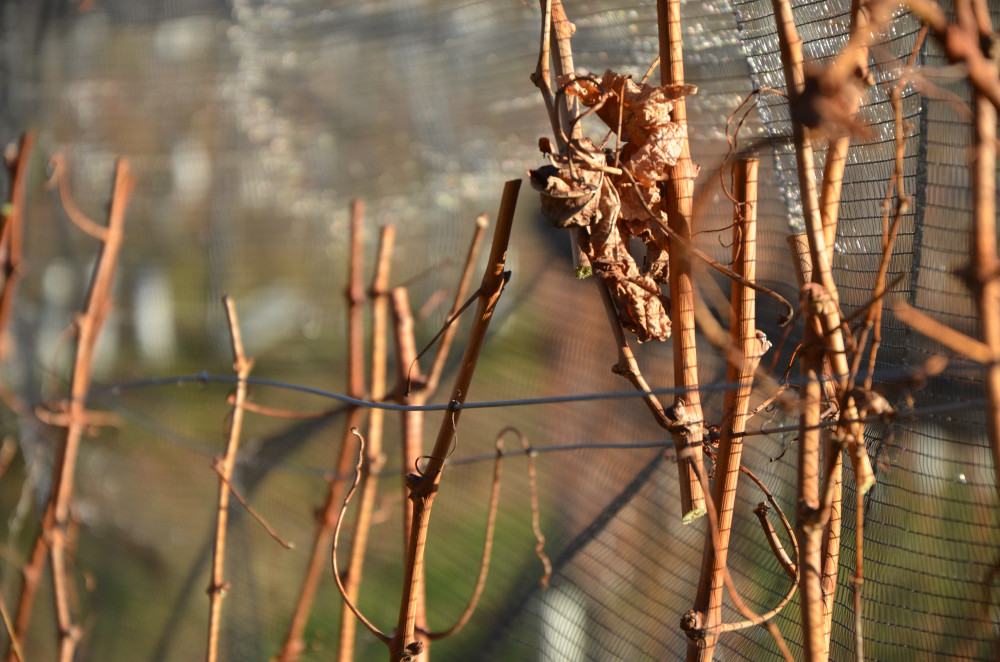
(588, 187)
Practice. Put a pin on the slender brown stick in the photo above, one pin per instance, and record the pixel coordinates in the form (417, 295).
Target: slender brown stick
(412, 422)
(323, 540)
(557, 32)
(627, 365)
(836, 153)
(217, 585)
(415, 389)
(691, 621)
(327, 519)
(808, 532)
(831, 515)
(816, 390)
(826, 327)
(356, 300)
(15, 644)
(897, 184)
(737, 403)
(79, 219)
(374, 459)
(873, 325)
(12, 249)
(555, 43)
(562, 31)
(408, 372)
(798, 244)
(31, 574)
(12, 238)
(424, 487)
(873, 313)
(858, 578)
(679, 200)
(88, 325)
(791, 57)
(789, 529)
(956, 341)
(542, 77)
(984, 274)
(787, 564)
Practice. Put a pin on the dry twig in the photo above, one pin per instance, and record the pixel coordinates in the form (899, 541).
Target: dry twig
(79, 219)
(12, 237)
(328, 517)
(984, 271)
(423, 488)
(52, 539)
(374, 460)
(415, 389)
(679, 199)
(217, 586)
(691, 621)
(742, 335)
(557, 32)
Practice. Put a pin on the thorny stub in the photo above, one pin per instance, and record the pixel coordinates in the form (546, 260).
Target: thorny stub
(615, 196)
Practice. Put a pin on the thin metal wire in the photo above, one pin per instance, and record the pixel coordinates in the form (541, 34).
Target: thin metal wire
(207, 378)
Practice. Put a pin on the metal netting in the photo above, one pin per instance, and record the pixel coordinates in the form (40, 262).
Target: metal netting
(251, 125)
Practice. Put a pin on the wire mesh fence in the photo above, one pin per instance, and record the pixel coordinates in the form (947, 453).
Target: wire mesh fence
(249, 127)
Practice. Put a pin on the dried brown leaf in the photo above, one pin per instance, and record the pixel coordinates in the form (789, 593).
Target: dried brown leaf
(642, 106)
(566, 202)
(632, 209)
(571, 196)
(587, 90)
(637, 296)
(637, 300)
(613, 207)
(661, 149)
(657, 264)
(606, 243)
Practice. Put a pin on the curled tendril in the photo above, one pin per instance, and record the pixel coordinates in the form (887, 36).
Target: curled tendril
(384, 638)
